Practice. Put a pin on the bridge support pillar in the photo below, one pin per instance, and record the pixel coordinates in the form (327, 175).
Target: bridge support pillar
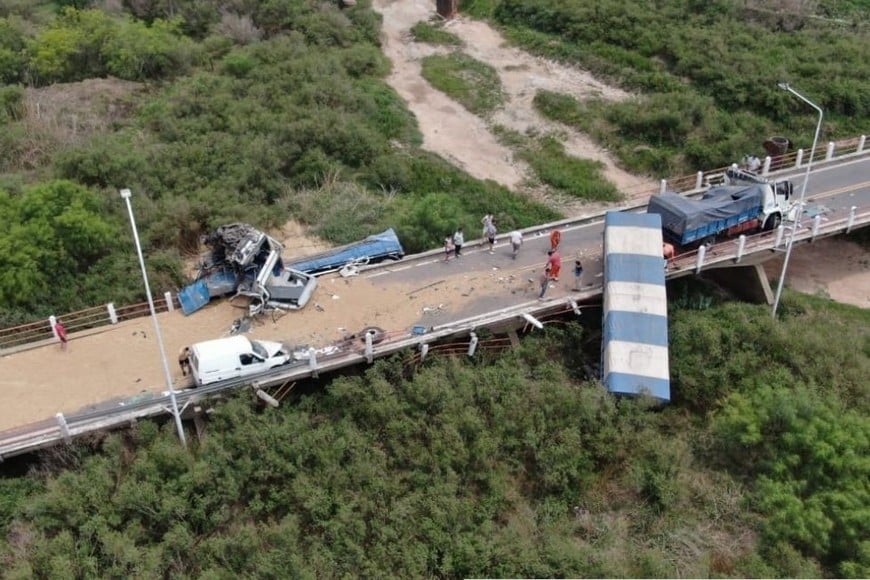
(747, 282)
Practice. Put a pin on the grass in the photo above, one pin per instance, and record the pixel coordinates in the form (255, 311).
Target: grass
(434, 34)
(473, 84)
(580, 178)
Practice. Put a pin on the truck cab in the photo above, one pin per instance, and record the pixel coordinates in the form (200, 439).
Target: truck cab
(234, 357)
(776, 205)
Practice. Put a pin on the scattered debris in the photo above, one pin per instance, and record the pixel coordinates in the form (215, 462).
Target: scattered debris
(425, 287)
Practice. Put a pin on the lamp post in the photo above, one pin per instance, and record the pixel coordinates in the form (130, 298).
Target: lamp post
(125, 193)
(797, 220)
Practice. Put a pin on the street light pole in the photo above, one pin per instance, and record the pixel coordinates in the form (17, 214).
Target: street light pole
(125, 193)
(796, 223)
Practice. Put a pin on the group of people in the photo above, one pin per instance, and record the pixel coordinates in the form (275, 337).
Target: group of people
(453, 249)
(453, 244)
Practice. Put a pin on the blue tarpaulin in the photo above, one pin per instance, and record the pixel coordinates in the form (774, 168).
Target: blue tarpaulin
(372, 249)
(193, 297)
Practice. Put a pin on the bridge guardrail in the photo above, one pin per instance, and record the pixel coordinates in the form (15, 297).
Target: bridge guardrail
(40, 331)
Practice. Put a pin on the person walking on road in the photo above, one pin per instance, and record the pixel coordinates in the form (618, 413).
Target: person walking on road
(578, 274)
(458, 241)
(448, 248)
(487, 221)
(60, 330)
(490, 234)
(184, 360)
(516, 241)
(554, 262)
(555, 239)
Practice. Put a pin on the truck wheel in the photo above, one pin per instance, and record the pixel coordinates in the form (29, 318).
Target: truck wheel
(773, 222)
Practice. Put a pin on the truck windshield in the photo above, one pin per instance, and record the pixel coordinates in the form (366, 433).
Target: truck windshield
(259, 350)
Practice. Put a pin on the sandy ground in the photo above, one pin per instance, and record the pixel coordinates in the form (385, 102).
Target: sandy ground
(832, 267)
(464, 138)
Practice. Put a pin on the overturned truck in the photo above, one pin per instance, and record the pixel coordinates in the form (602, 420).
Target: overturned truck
(247, 263)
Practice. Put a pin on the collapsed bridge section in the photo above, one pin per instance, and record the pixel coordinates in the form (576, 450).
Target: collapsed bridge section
(634, 347)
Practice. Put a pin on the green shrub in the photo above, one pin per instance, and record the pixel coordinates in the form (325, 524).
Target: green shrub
(434, 34)
(473, 84)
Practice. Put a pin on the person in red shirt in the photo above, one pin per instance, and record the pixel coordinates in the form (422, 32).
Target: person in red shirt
(555, 263)
(555, 239)
(60, 329)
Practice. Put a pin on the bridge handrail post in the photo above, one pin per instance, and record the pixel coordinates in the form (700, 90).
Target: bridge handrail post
(799, 158)
(699, 179)
(663, 186)
(780, 231)
(817, 223)
(424, 350)
(472, 346)
(64, 428)
(702, 253)
(169, 305)
(370, 353)
(741, 245)
(765, 169)
(861, 142)
(113, 315)
(851, 221)
(829, 154)
(312, 361)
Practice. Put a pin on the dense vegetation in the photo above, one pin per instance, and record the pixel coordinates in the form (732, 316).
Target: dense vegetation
(706, 72)
(512, 465)
(257, 112)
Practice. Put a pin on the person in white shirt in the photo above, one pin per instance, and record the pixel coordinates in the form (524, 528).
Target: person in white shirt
(516, 241)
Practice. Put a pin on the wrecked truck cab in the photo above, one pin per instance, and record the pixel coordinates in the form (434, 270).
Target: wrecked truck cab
(234, 357)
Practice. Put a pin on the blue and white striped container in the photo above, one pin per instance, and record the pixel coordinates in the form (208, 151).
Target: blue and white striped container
(634, 349)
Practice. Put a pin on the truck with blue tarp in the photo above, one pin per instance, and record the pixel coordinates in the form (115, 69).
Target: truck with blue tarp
(723, 211)
(372, 249)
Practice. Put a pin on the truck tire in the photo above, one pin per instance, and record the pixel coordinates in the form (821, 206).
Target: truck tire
(772, 222)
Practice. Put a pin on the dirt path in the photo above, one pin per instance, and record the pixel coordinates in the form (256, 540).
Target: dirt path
(465, 139)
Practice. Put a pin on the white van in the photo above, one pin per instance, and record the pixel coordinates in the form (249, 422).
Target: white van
(234, 357)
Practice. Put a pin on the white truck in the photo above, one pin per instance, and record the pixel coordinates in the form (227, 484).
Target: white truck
(746, 203)
(234, 357)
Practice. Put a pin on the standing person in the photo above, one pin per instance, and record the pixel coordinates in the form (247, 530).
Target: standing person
(516, 241)
(544, 280)
(486, 221)
(184, 360)
(555, 263)
(448, 248)
(458, 240)
(490, 234)
(578, 273)
(555, 239)
(60, 329)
